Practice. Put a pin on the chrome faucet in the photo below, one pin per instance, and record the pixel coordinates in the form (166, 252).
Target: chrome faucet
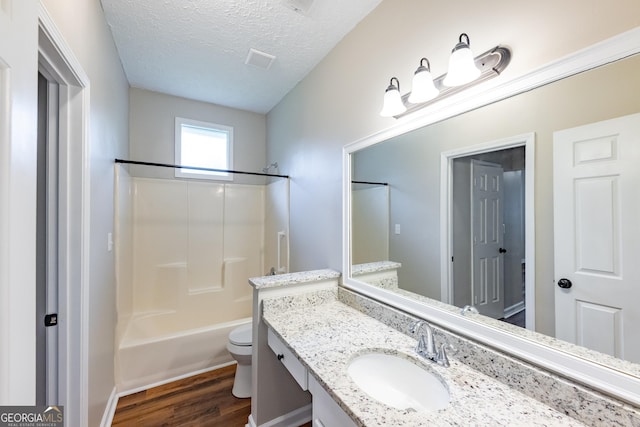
(426, 346)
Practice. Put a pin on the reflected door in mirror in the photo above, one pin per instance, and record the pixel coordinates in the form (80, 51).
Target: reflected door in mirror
(597, 235)
(488, 238)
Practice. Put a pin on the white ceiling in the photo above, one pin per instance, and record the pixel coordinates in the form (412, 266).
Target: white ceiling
(197, 48)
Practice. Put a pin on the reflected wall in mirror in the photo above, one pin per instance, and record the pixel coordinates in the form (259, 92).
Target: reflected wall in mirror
(411, 164)
(370, 235)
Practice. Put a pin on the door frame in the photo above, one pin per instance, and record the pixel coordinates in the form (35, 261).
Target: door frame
(57, 58)
(446, 215)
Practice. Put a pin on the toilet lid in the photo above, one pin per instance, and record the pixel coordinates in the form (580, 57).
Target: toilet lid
(241, 335)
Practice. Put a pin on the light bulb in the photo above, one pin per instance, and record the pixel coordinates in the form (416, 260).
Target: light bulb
(462, 66)
(422, 88)
(392, 105)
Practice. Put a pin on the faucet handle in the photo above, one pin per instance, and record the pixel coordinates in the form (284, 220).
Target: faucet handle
(444, 349)
(413, 328)
(469, 309)
(441, 357)
(421, 347)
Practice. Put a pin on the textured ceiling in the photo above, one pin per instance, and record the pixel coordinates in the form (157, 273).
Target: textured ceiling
(197, 48)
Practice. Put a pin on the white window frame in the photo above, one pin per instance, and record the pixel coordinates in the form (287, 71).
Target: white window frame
(195, 174)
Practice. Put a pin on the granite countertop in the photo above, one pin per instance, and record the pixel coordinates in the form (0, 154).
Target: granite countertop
(279, 280)
(326, 334)
(374, 267)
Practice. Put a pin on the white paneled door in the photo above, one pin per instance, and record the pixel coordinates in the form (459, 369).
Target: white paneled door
(487, 233)
(597, 236)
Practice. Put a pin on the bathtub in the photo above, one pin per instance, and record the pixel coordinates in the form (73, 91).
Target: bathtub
(155, 348)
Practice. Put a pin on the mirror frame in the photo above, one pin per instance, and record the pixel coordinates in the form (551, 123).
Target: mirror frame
(618, 383)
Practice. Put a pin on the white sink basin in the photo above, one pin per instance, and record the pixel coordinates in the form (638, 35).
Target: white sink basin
(399, 383)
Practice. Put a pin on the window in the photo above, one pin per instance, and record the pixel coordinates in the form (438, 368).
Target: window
(203, 145)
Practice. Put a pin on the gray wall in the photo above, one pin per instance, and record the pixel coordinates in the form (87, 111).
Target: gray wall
(514, 238)
(339, 102)
(152, 132)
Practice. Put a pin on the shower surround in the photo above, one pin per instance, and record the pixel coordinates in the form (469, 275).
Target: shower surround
(184, 252)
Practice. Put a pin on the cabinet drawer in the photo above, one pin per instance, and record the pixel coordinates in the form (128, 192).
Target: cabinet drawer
(293, 365)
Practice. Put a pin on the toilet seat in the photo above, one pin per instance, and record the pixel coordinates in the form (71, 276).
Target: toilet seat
(242, 335)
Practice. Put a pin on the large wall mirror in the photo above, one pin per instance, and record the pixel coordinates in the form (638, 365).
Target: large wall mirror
(432, 193)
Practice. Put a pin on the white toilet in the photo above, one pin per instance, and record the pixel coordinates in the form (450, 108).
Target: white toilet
(239, 346)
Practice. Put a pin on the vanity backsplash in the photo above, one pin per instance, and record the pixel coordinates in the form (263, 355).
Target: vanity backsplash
(563, 394)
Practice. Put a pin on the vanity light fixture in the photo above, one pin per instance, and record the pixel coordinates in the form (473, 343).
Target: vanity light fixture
(462, 67)
(460, 77)
(393, 104)
(422, 88)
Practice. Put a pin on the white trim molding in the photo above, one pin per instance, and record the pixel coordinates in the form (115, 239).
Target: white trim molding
(57, 58)
(292, 419)
(110, 410)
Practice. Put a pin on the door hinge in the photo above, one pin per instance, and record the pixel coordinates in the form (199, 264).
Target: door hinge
(51, 319)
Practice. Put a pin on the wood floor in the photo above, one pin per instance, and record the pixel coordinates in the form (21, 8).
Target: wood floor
(201, 400)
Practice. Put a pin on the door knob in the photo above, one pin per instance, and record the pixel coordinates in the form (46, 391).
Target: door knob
(502, 250)
(565, 283)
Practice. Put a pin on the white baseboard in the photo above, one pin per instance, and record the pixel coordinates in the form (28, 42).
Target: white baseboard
(170, 380)
(110, 410)
(112, 404)
(292, 419)
(514, 309)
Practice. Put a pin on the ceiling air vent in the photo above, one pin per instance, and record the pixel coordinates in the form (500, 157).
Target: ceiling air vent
(300, 6)
(259, 59)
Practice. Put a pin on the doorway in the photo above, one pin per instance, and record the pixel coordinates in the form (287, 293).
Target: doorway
(47, 262)
(488, 229)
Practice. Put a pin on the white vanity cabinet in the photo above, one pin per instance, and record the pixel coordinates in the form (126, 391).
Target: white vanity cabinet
(284, 355)
(326, 412)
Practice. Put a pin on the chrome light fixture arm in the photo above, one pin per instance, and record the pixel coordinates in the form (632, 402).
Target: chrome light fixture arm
(490, 63)
(464, 71)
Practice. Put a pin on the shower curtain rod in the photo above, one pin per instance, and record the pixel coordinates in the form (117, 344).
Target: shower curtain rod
(166, 165)
(370, 182)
